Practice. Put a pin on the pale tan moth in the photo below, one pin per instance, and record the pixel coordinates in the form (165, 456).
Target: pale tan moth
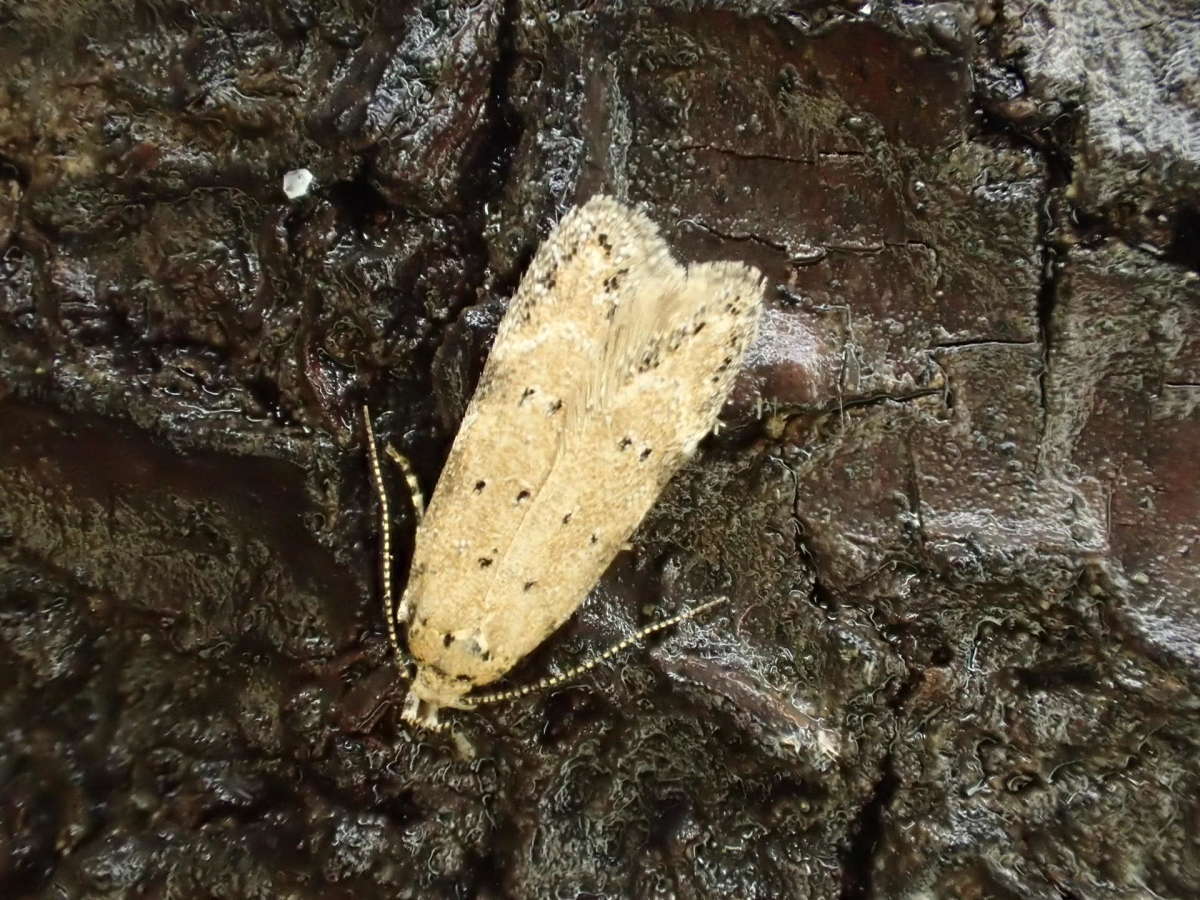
(609, 367)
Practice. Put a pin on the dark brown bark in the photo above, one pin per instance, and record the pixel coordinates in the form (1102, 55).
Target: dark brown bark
(956, 507)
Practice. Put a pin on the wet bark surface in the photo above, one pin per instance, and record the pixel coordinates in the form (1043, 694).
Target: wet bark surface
(955, 507)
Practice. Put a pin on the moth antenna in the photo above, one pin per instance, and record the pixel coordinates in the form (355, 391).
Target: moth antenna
(385, 540)
(438, 727)
(426, 720)
(410, 479)
(555, 680)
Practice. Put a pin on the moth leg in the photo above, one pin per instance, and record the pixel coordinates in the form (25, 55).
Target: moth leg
(385, 539)
(555, 680)
(424, 716)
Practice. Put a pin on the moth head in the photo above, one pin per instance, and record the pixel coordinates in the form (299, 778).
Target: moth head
(433, 689)
(420, 713)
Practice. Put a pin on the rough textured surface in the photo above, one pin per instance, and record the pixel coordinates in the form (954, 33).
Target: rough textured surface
(955, 508)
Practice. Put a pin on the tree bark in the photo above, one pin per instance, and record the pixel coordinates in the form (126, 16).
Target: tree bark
(955, 506)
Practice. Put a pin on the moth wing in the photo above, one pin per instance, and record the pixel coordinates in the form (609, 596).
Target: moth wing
(516, 433)
(669, 358)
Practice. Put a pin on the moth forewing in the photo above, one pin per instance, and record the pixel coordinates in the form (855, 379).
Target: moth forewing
(610, 365)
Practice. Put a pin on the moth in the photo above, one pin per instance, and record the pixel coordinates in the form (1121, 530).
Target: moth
(611, 364)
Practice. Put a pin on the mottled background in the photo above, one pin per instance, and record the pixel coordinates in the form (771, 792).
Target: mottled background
(955, 507)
